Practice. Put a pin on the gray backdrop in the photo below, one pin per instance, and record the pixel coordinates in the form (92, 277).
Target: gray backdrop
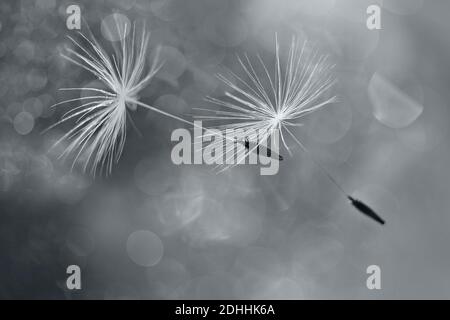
(155, 230)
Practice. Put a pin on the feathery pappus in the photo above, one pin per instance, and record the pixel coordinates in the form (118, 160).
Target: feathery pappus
(99, 133)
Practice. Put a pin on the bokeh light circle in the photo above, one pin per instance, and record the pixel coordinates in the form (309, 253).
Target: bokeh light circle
(23, 122)
(391, 106)
(145, 248)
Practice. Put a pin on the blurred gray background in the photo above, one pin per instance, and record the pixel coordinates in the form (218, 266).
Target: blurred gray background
(153, 230)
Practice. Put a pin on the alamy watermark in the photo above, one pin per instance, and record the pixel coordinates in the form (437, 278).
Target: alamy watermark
(373, 281)
(73, 281)
(227, 148)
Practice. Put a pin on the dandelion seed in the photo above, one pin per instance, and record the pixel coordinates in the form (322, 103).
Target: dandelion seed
(267, 102)
(277, 101)
(98, 137)
(365, 209)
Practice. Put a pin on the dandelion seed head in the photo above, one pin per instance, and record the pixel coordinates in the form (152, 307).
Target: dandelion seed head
(98, 136)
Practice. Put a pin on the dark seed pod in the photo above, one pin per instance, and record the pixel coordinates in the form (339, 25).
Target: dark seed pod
(365, 209)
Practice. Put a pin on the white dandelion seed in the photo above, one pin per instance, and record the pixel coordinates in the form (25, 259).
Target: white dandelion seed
(266, 103)
(98, 137)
